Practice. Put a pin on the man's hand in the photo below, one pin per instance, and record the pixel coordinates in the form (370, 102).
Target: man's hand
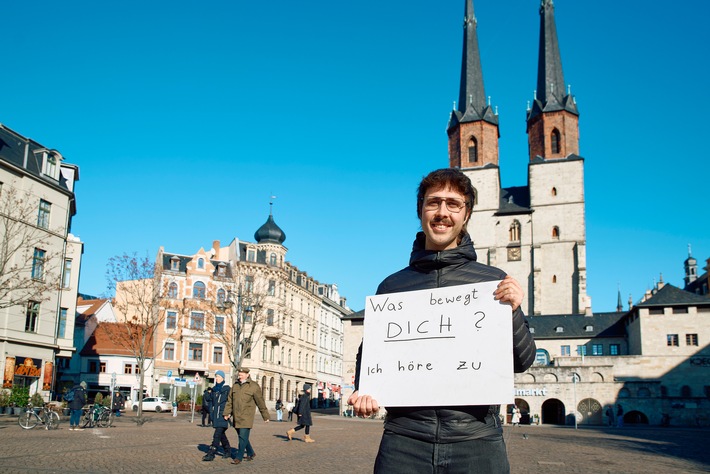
(363, 405)
(510, 291)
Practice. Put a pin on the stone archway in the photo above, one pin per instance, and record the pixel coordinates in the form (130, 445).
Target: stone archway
(591, 412)
(553, 412)
(635, 417)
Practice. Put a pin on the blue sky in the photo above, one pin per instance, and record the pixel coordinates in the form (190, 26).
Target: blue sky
(185, 117)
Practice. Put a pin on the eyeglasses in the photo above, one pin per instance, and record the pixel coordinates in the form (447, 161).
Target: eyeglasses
(452, 204)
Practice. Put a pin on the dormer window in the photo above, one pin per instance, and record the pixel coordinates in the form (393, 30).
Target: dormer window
(201, 263)
(49, 163)
(221, 269)
(589, 328)
(559, 329)
(175, 264)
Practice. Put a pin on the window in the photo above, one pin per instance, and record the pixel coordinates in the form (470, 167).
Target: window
(559, 329)
(217, 355)
(174, 264)
(127, 369)
(270, 317)
(553, 191)
(672, 339)
(43, 214)
(62, 327)
(32, 316)
(542, 357)
(246, 345)
(589, 328)
(198, 290)
(263, 351)
(49, 165)
(200, 263)
(555, 141)
(691, 339)
(66, 274)
(219, 324)
(251, 255)
(38, 264)
(472, 150)
(514, 231)
(221, 296)
(172, 290)
(614, 349)
(249, 284)
(93, 366)
(564, 350)
(554, 278)
(197, 321)
(597, 349)
(272, 260)
(169, 351)
(272, 287)
(221, 269)
(194, 351)
(685, 391)
(581, 350)
(102, 367)
(555, 232)
(171, 320)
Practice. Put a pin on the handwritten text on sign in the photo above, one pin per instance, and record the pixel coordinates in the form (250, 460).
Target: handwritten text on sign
(438, 347)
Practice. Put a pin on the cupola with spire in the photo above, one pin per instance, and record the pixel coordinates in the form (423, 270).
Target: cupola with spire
(269, 232)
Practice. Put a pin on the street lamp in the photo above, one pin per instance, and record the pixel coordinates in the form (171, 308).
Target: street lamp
(575, 379)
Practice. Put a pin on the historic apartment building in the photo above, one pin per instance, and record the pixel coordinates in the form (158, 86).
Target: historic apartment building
(653, 360)
(39, 262)
(245, 305)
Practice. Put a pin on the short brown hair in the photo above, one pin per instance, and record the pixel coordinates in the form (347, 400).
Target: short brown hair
(443, 178)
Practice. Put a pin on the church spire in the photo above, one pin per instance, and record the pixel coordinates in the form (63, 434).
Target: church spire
(553, 117)
(473, 124)
(472, 95)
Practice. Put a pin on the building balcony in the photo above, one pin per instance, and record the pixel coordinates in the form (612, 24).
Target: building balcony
(273, 332)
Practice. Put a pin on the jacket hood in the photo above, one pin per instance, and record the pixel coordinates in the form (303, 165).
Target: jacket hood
(427, 260)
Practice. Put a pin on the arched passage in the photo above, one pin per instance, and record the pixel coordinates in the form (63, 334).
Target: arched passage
(590, 411)
(553, 412)
(635, 417)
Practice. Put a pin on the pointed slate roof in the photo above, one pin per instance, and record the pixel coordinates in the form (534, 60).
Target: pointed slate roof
(551, 92)
(671, 295)
(270, 232)
(472, 105)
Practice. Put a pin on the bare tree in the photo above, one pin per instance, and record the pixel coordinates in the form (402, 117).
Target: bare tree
(138, 288)
(246, 314)
(29, 268)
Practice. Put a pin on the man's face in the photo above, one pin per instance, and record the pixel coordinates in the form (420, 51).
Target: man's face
(441, 225)
(218, 378)
(242, 376)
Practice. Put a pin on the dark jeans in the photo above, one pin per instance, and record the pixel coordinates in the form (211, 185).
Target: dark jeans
(403, 455)
(300, 427)
(220, 437)
(206, 414)
(75, 417)
(244, 443)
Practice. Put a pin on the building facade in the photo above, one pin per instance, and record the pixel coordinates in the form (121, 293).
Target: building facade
(40, 262)
(245, 305)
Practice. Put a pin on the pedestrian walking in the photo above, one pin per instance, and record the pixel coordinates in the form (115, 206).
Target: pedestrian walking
(515, 419)
(610, 416)
(206, 402)
(76, 404)
(279, 410)
(303, 411)
(619, 416)
(220, 394)
(290, 406)
(241, 405)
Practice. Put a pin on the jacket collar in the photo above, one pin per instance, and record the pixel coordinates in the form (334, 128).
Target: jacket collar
(427, 260)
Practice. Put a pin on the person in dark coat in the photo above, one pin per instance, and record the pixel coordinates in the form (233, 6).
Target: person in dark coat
(76, 406)
(220, 394)
(243, 401)
(463, 438)
(303, 412)
(206, 402)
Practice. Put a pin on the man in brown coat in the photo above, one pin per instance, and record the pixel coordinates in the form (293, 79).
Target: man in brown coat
(243, 399)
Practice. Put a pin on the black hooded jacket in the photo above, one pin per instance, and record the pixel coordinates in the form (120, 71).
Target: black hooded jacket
(436, 269)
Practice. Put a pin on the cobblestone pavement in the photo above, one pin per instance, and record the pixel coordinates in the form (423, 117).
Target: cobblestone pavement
(342, 444)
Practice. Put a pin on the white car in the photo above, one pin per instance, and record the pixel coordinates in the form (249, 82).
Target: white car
(156, 404)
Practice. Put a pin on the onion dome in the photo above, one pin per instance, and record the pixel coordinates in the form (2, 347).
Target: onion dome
(270, 233)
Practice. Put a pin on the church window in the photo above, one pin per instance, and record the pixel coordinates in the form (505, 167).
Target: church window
(554, 191)
(555, 142)
(554, 278)
(555, 232)
(514, 231)
(472, 150)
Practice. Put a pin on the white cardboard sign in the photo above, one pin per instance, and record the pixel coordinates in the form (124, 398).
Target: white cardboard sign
(438, 347)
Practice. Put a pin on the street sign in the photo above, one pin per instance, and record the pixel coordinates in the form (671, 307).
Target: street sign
(170, 373)
(197, 378)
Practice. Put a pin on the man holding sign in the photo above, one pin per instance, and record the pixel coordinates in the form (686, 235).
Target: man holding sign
(442, 437)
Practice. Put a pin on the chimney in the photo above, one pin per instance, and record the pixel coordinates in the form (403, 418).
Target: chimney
(215, 246)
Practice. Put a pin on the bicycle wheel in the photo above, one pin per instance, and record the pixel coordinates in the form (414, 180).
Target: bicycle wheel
(105, 420)
(28, 420)
(52, 420)
(86, 421)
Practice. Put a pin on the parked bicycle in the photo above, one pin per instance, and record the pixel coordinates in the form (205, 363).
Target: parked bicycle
(29, 419)
(97, 416)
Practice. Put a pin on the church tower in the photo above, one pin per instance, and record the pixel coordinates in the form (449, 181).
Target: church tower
(536, 233)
